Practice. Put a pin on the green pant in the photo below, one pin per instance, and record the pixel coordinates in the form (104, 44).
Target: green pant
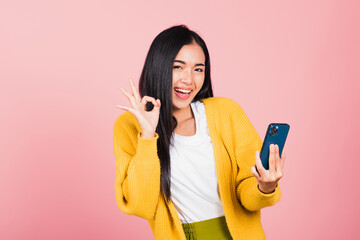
(215, 228)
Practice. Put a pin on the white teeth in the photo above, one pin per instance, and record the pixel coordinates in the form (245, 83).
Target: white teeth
(182, 90)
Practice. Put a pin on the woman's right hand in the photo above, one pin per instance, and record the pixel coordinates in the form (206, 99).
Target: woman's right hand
(147, 120)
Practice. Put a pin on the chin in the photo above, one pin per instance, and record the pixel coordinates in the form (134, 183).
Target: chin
(182, 105)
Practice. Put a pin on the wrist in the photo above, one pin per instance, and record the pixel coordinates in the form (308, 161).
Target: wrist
(266, 191)
(147, 134)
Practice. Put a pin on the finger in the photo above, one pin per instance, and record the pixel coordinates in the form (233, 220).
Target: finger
(125, 92)
(134, 90)
(272, 159)
(146, 99)
(279, 170)
(277, 159)
(130, 97)
(258, 164)
(158, 103)
(126, 108)
(254, 172)
(282, 161)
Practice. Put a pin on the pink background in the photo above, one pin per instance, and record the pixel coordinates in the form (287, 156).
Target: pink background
(62, 64)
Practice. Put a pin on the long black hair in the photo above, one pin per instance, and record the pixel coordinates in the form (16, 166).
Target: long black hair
(156, 81)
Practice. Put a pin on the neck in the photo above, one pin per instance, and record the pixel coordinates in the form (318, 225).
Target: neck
(182, 114)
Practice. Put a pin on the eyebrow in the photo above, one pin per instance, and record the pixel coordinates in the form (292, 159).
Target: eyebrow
(198, 64)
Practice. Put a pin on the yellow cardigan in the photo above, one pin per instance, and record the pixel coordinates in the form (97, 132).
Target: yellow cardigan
(235, 141)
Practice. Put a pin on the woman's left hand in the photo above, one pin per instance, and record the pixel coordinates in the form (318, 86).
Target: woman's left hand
(268, 179)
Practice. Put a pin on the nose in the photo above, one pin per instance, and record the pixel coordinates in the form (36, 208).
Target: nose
(187, 77)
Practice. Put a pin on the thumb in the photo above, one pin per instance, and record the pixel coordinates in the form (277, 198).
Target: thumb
(158, 103)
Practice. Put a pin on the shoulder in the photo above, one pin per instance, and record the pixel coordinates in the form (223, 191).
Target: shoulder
(222, 104)
(219, 101)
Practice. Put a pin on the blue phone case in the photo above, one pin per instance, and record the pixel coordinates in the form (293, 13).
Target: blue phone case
(275, 134)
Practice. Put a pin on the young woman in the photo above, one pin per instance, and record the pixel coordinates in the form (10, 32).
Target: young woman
(186, 161)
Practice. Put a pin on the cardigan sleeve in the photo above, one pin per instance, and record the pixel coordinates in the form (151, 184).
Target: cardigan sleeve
(137, 184)
(246, 143)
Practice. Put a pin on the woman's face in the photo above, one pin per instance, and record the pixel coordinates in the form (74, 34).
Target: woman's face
(188, 75)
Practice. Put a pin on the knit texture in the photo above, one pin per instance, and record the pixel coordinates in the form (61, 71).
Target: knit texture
(235, 141)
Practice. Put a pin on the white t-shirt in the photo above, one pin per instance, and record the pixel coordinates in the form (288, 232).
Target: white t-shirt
(194, 184)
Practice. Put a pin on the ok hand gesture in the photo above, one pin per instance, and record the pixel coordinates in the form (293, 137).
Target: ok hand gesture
(147, 120)
(268, 179)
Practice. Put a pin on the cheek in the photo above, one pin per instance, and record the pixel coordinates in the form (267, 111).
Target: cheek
(199, 81)
(175, 76)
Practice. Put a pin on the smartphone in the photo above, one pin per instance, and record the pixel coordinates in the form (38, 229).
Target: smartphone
(275, 134)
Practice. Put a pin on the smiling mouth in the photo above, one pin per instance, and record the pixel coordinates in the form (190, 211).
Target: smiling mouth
(182, 91)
